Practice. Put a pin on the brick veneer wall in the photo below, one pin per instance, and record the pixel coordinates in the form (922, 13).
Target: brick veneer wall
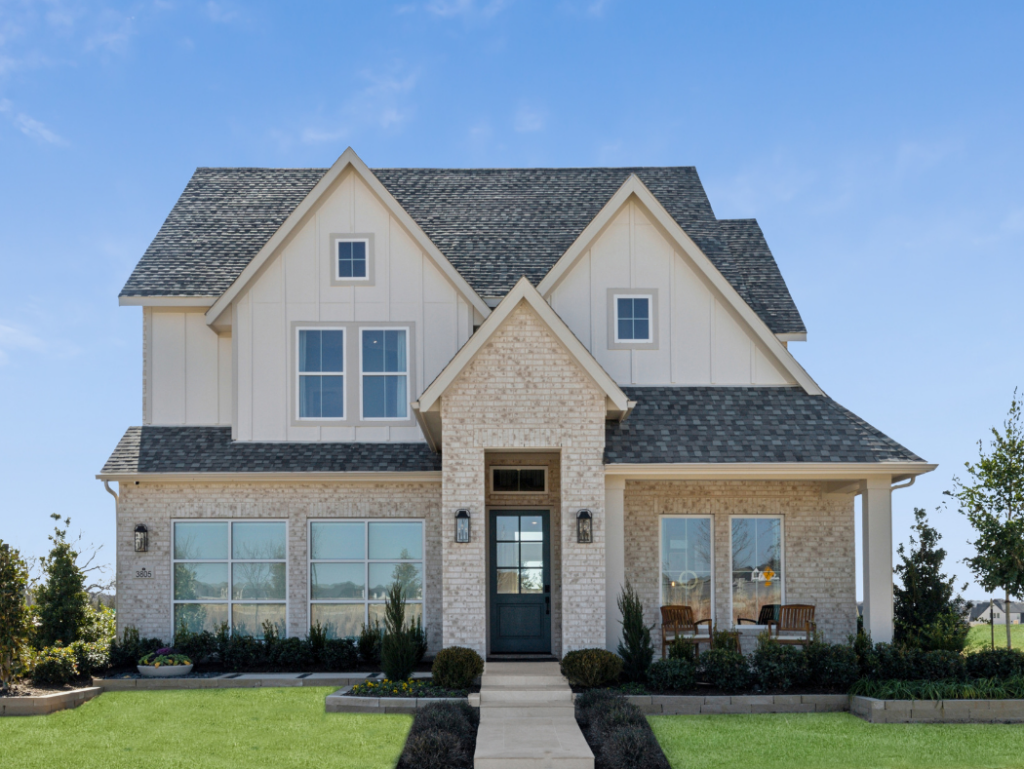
(146, 603)
(523, 390)
(818, 538)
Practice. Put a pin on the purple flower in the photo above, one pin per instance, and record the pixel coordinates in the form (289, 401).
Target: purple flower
(165, 650)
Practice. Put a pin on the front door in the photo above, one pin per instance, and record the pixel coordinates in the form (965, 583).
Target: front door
(520, 581)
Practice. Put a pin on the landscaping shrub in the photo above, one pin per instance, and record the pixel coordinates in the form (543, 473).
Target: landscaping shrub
(725, 669)
(456, 667)
(591, 667)
(126, 652)
(940, 664)
(420, 638)
(368, 644)
(447, 717)
(681, 650)
(975, 689)
(91, 658)
(617, 732)
(62, 600)
(671, 675)
(240, 652)
(832, 667)
(893, 662)
(631, 747)
(290, 654)
(777, 667)
(339, 654)
(399, 646)
(635, 648)
(947, 633)
(55, 665)
(14, 629)
(587, 704)
(442, 735)
(100, 624)
(995, 663)
(200, 646)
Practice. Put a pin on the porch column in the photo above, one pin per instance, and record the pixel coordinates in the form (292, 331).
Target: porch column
(614, 555)
(876, 524)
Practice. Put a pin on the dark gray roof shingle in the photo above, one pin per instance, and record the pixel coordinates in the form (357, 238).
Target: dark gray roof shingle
(211, 450)
(494, 225)
(743, 424)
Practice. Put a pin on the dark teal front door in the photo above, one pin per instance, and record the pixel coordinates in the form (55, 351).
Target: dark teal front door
(520, 581)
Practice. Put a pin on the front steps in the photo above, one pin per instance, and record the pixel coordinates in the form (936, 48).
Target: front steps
(527, 719)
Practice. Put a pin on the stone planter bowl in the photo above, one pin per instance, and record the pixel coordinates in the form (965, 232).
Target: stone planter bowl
(164, 671)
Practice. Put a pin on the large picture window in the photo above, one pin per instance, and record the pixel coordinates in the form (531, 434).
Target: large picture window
(758, 568)
(385, 373)
(352, 563)
(232, 572)
(321, 373)
(686, 564)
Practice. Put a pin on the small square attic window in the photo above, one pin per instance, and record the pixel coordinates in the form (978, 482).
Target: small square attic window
(352, 261)
(633, 319)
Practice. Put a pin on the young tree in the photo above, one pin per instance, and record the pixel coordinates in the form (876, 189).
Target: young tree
(993, 502)
(13, 617)
(63, 602)
(925, 595)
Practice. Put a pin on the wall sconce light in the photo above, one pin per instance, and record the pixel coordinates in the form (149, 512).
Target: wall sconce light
(584, 527)
(462, 525)
(141, 538)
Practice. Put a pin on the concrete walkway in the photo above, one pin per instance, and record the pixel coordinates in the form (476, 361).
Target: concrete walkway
(527, 719)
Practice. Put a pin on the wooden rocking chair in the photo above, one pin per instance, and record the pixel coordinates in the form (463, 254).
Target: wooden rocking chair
(794, 618)
(678, 620)
(769, 613)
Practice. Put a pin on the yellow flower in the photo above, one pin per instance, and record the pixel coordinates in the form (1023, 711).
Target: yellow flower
(157, 665)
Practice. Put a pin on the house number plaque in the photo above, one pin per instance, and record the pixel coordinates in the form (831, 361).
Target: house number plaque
(143, 574)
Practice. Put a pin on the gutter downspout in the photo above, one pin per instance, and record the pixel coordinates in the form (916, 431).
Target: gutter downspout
(906, 485)
(111, 492)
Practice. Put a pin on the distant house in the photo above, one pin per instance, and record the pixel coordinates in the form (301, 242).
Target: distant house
(996, 612)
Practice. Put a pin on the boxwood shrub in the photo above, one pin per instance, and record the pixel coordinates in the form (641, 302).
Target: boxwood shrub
(456, 667)
(778, 667)
(671, 676)
(591, 667)
(55, 665)
(725, 669)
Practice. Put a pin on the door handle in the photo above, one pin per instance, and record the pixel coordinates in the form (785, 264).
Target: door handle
(547, 604)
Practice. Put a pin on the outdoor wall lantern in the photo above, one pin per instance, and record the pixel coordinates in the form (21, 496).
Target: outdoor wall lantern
(141, 538)
(584, 527)
(462, 525)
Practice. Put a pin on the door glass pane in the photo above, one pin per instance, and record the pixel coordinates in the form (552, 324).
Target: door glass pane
(508, 554)
(532, 581)
(531, 554)
(200, 616)
(531, 480)
(396, 539)
(505, 479)
(200, 541)
(341, 620)
(258, 581)
(508, 581)
(507, 528)
(248, 618)
(200, 581)
(383, 575)
(531, 528)
(337, 580)
(339, 541)
(255, 540)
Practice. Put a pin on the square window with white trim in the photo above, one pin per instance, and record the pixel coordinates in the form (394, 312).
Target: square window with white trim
(758, 565)
(633, 318)
(321, 373)
(384, 362)
(352, 259)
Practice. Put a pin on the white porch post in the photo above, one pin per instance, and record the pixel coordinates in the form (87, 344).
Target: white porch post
(876, 523)
(614, 555)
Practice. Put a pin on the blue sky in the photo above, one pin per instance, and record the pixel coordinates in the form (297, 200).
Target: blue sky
(878, 146)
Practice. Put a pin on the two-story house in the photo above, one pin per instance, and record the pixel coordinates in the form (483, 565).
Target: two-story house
(509, 389)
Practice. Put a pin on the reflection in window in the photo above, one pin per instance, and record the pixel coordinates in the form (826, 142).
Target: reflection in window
(686, 564)
(757, 572)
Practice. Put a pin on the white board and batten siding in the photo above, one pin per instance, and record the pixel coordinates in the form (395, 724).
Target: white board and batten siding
(296, 286)
(701, 340)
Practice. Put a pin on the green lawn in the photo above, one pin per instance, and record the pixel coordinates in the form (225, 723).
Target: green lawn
(835, 741)
(981, 637)
(252, 728)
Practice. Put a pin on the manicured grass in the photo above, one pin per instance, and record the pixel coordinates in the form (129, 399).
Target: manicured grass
(252, 728)
(980, 637)
(835, 741)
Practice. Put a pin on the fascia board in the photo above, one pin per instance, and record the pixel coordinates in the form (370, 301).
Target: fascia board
(523, 290)
(794, 336)
(431, 476)
(348, 158)
(166, 301)
(820, 471)
(634, 186)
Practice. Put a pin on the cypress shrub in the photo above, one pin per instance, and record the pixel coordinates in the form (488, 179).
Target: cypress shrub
(635, 648)
(399, 647)
(62, 600)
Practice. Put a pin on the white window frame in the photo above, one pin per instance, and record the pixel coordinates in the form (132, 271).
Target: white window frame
(661, 535)
(334, 255)
(366, 561)
(343, 374)
(650, 318)
(363, 374)
(782, 558)
(230, 561)
(490, 478)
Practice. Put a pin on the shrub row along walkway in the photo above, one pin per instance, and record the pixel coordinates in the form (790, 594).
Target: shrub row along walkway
(527, 719)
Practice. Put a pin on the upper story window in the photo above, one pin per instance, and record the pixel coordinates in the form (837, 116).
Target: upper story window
(384, 357)
(321, 373)
(633, 318)
(352, 259)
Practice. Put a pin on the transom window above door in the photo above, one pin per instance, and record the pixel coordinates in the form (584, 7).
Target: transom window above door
(519, 480)
(352, 259)
(633, 318)
(321, 373)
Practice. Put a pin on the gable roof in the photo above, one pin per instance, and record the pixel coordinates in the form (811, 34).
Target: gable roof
(493, 225)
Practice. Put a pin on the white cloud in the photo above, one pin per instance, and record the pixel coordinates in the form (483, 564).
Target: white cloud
(13, 338)
(219, 13)
(598, 7)
(452, 8)
(382, 103)
(112, 34)
(529, 119)
(29, 125)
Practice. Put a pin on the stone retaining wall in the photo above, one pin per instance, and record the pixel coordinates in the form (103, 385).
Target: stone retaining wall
(230, 681)
(937, 711)
(340, 703)
(46, 703)
(682, 705)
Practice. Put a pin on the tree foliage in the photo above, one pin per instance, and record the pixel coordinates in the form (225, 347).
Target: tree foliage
(927, 609)
(993, 502)
(63, 602)
(13, 617)
(635, 648)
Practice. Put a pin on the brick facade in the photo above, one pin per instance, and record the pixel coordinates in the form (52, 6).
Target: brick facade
(818, 538)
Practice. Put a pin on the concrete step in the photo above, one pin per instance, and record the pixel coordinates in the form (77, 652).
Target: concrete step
(525, 696)
(523, 682)
(516, 743)
(561, 710)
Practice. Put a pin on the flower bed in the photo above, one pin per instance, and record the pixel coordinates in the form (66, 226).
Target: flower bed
(442, 734)
(411, 688)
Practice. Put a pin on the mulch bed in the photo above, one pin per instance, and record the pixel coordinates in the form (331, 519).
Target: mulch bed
(638, 690)
(28, 689)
